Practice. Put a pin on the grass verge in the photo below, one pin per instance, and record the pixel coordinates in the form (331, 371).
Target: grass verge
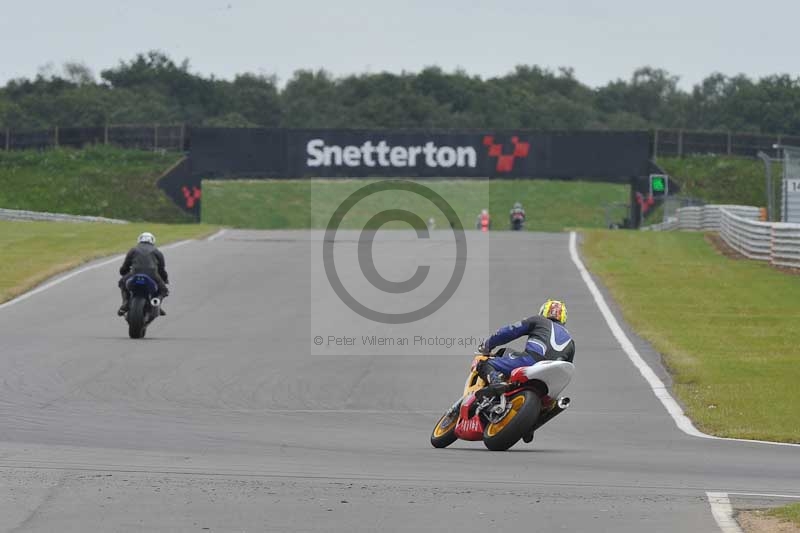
(35, 251)
(789, 513)
(725, 327)
(273, 204)
(100, 181)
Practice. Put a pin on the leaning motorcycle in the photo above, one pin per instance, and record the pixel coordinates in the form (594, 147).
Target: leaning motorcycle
(144, 304)
(513, 411)
(517, 222)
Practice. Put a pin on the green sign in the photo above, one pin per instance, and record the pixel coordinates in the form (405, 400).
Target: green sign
(658, 184)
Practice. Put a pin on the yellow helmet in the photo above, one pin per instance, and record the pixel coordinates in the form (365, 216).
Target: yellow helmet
(554, 310)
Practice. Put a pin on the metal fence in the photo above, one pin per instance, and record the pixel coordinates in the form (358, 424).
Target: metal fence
(790, 187)
(740, 228)
(689, 142)
(134, 136)
(665, 142)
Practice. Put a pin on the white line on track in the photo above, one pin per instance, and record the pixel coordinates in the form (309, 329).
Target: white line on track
(217, 235)
(723, 512)
(659, 389)
(792, 496)
(61, 279)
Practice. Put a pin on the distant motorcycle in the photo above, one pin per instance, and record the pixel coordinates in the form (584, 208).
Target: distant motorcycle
(143, 305)
(517, 409)
(517, 222)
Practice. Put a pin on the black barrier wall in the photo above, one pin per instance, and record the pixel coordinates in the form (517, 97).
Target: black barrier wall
(226, 153)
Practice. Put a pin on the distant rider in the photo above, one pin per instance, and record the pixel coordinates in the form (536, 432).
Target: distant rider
(144, 258)
(517, 214)
(548, 339)
(484, 222)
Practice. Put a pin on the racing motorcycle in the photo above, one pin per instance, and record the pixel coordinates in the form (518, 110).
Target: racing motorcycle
(511, 411)
(144, 304)
(517, 221)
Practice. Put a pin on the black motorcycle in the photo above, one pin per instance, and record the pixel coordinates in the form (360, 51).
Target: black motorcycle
(144, 304)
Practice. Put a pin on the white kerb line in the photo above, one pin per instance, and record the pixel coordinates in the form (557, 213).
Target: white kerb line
(217, 235)
(652, 379)
(722, 511)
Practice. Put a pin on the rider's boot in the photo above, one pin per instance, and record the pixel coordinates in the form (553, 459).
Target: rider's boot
(496, 384)
(125, 303)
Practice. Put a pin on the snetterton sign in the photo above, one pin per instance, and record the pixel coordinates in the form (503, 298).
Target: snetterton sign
(382, 154)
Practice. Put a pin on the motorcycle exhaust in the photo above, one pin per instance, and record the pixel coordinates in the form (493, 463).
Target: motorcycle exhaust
(155, 302)
(561, 404)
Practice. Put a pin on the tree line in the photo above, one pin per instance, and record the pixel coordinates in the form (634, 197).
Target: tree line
(152, 88)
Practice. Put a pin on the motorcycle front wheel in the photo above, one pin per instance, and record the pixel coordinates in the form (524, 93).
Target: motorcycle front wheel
(444, 433)
(523, 410)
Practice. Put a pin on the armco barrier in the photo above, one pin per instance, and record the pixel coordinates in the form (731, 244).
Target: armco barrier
(750, 238)
(739, 227)
(18, 214)
(785, 249)
(704, 218)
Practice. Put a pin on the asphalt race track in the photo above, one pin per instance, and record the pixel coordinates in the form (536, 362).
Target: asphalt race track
(228, 417)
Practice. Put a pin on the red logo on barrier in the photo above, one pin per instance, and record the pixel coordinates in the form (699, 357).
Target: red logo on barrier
(505, 162)
(191, 196)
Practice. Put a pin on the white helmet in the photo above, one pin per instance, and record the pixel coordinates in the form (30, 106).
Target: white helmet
(147, 237)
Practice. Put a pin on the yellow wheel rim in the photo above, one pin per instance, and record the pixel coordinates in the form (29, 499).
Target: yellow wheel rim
(516, 404)
(442, 428)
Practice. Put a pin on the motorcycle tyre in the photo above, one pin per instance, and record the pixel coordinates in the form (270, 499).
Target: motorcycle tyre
(443, 439)
(511, 430)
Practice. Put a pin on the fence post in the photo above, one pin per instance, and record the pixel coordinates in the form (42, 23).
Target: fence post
(155, 137)
(105, 134)
(770, 195)
(680, 142)
(655, 144)
(8, 139)
(55, 137)
(729, 142)
(183, 137)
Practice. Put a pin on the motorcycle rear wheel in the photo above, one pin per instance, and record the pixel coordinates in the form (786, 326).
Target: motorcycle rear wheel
(136, 325)
(444, 433)
(522, 414)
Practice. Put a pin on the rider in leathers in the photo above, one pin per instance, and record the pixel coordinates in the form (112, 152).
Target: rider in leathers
(144, 258)
(516, 212)
(548, 339)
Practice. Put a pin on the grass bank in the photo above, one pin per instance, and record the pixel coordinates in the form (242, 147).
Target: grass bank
(100, 181)
(550, 205)
(725, 327)
(722, 179)
(35, 251)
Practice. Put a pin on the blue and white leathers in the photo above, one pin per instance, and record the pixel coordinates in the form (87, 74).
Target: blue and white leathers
(547, 340)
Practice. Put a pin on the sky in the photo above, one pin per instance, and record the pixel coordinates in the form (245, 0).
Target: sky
(601, 40)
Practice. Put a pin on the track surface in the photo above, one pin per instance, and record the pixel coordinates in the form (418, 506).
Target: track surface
(228, 417)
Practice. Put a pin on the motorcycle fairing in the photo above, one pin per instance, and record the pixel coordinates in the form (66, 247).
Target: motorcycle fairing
(469, 428)
(143, 283)
(555, 374)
